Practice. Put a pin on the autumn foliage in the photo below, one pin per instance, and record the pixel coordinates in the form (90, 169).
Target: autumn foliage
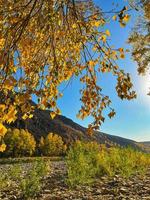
(140, 38)
(19, 143)
(52, 145)
(46, 43)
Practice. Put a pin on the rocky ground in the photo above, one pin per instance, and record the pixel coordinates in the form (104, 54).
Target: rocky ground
(105, 188)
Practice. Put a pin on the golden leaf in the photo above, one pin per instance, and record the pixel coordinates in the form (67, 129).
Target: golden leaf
(126, 18)
(114, 17)
(3, 130)
(107, 32)
(2, 147)
(97, 23)
(52, 114)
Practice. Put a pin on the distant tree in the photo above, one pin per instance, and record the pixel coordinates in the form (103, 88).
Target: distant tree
(19, 143)
(52, 145)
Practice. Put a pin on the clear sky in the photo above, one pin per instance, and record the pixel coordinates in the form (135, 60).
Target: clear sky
(133, 117)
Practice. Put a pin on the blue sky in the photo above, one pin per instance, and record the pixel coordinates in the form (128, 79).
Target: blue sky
(133, 117)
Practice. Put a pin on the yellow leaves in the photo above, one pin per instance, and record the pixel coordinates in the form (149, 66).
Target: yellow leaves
(122, 55)
(91, 63)
(114, 17)
(52, 114)
(2, 147)
(20, 142)
(11, 115)
(2, 107)
(60, 94)
(121, 50)
(52, 145)
(3, 130)
(103, 38)
(2, 42)
(111, 114)
(27, 116)
(96, 23)
(58, 111)
(51, 51)
(10, 83)
(113, 55)
(107, 32)
(126, 18)
(122, 24)
(94, 48)
(74, 26)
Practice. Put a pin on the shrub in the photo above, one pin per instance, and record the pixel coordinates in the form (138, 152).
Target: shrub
(86, 161)
(3, 180)
(9, 177)
(31, 184)
(52, 145)
(123, 161)
(42, 167)
(15, 172)
(19, 142)
(82, 163)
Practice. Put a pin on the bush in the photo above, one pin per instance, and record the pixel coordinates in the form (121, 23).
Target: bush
(52, 145)
(31, 184)
(14, 172)
(82, 163)
(28, 180)
(19, 143)
(86, 161)
(9, 177)
(3, 180)
(123, 161)
(42, 167)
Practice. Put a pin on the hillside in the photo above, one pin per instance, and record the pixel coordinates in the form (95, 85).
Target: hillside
(41, 124)
(145, 146)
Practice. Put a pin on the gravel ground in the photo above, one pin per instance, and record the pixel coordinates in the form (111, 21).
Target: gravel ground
(104, 188)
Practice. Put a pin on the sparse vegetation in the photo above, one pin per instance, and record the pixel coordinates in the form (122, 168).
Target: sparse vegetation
(3, 180)
(85, 161)
(29, 180)
(31, 184)
(123, 161)
(82, 163)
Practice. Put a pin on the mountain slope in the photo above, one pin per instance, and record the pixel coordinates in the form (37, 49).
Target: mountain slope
(41, 124)
(145, 146)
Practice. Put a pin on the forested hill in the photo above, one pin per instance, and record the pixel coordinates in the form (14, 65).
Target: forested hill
(41, 124)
